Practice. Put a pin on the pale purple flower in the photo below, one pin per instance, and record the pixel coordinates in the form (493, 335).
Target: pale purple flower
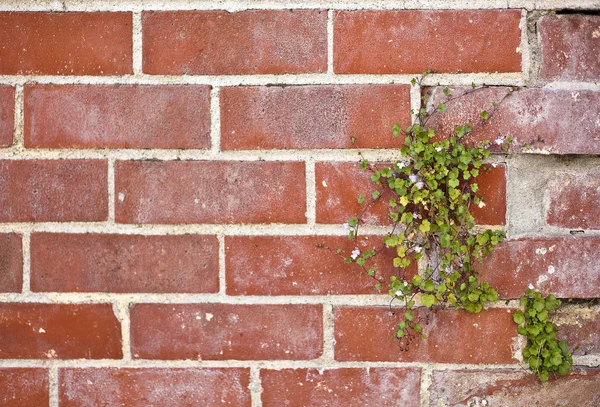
(420, 184)
(499, 140)
(355, 253)
(413, 177)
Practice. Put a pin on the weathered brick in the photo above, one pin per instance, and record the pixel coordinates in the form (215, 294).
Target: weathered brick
(492, 188)
(570, 45)
(341, 387)
(124, 263)
(66, 43)
(226, 331)
(580, 327)
(321, 116)
(247, 42)
(293, 265)
(11, 262)
(24, 387)
(566, 120)
(367, 334)
(123, 116)
(7, 115)
(457, 388)
(59, 331)
(567, 267)
(574, 200)
(154, 387)
(411, 41)
(210, 192)
(53, 190)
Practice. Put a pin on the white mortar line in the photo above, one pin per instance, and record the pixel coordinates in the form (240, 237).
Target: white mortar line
(137, 42)
(53, 385)
(18, 118)
(311, 193)
(111, 191)
(222, 267)
(121, 310)
(330, 38)
(26, 263)
(564, 85)
(328, 334)
(524, 48)
(426, 375)
(215, 120)
(255, 386)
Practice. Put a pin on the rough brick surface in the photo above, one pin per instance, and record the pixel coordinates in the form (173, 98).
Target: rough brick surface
(372, 387)
(225, 331)
(319, 116)
(247, 42)
(210, 192)
(575, 200)
(293, 265)
(564, 266)
(411, 41)
(367, 334)
(123, 263)
(59, 331)
(53, 190)
(154, 387)
(570, 45)
(512, 388)
(24, 387)
(65, 43)
(108, 116)
(11, 262)
(580, 327)
(7, 115)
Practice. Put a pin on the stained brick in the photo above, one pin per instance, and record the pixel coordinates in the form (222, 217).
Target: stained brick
(7, 115)
(124, 263)
(226, 331)
(11, 262)
(106, 116)
(24, 387)
(323, 116)
(580, 327)
(575, 200)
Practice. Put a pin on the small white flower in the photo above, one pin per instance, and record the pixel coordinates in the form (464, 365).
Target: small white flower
(415, 215)
(398, 293)
(499, 140)
(405, 284)
(355, 253)
(413, 177)
(346, 226)
(481, 204)
(530, 286)
(494, 165)
(418, 249)
(438, 149)
(401, 164)
(420, 184)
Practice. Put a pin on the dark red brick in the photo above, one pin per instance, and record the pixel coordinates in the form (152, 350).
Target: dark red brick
(575, 200)
(247, 42)
(7, 115)
(319, 116)
(66, 43)
(11, 262)
(210, 192)
(124, 263)
(21, 387)
(226, 331)
(580, 327)
(122, 116)
(53, 190)
(492, 188)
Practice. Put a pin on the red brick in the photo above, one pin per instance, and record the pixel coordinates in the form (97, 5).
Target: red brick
(124, 263)
(247, 42)
(210, 192)
(565, 119)
(96, 116)
(367, 334)
(411, 41)
(575, 200)
(24, 387)
(570, 45)
(7, 115)
(457, 388)
(11, 262)
(372, 387)
(154, 387)
(53, 190)
(59, 331)
(226, 331)
(580, 327)
(567, 267)
(492, 188)
(66, 43)
(293, 265)
(321, 116)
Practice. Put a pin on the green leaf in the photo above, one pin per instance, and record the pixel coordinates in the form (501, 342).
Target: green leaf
(428, 300)
(484, 115)
(361, 198)
(518, 317)
(425, 226)
(441, 108)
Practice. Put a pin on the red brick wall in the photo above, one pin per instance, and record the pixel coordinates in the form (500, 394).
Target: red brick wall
(166, 172)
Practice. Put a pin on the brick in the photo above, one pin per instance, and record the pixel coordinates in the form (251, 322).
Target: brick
(567, 267)
(580, 327)
(226, 331)
(320, 116)
(564, 119)
(411, 41)
(570, 45)
(66, 43)
(124, 263)
(210, 192)
(457, 388)
(338, 184)
(293, 265)
(574, 200)
(59, 331)
(367, 334)
(24, 387)
(122, 116)
(247, 42)
(370, 387)
(11, 263)
(7, 115)
(154, 387)
(53, 190)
